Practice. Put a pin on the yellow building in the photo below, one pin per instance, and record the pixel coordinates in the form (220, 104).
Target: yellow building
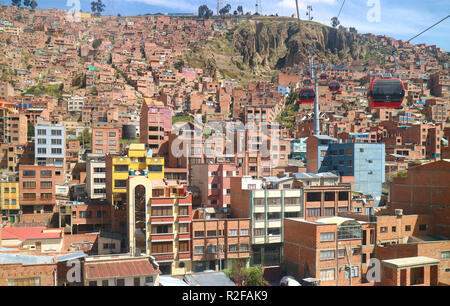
(138, 161)
(9, 200)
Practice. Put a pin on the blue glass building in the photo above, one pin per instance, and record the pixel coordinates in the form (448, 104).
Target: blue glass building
(364, 161)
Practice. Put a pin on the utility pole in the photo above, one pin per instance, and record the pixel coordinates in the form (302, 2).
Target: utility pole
(316, 106)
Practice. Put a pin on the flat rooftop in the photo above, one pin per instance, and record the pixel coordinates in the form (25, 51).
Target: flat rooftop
(410, 262)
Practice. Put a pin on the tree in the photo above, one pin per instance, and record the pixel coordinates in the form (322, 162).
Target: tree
(240, 10)
(252, 276)
(255, 276)
(352, 30)
(17, 3)
(97, 7)
(235, 12)
(225, 10)
(26, 3)
(204, 12)
(33, 4)
(335, 22)
(85, 137)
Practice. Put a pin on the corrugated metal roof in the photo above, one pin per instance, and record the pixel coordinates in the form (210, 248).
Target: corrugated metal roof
(71, 256)
(119, 269)
(24, 259)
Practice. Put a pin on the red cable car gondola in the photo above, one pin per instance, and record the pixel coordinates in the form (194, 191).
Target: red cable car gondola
(307, 82)
(307, 95)
(386, 93)
(334, 86)
(323, 76)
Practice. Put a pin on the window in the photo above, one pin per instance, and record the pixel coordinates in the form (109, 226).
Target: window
(324, 237)
(313, 212)
(326, 255)
(423, 227)
(313, 197)
(383, 229)
(329, 211)
(244, 232)
(42, 151)
(162, 247)
(112, 142)
(327, 275)
(112, 134)
(149, 279)
(29, 196)
(212, 233)
(86, 214)
(42, 132)
(46, 173)
(162, 211)
(29, 185)
(184, 211)
(46, 185)
(121, 282)
(137, 281)
(199, 234)
(258, 232)
(198, 250)
(407, 228)
(233, 232)
(120, 184)
(394, 229)
(233, 248)
(29, 173)
(56, 141)
(162, 229)
(93, 283)
(105, 283)
(57, 132)
(292, 201)
(341, 253)
(274, 216)
(183, 246)
(273, 201)
(258, 201)
(445, 255)
(211, 249)
(121, 168)
(274, 231)
(154, 168)
(109, 246)
(184, 227)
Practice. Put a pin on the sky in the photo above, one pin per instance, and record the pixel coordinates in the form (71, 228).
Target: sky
(401, 19)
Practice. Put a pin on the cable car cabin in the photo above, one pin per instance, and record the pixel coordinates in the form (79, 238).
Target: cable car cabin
(307, 82)
(307, 95)
(323, 76)
(386, 93)
(334, 86)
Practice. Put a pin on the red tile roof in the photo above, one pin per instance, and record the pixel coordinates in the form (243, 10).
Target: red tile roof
(119, 268)
(24, 233)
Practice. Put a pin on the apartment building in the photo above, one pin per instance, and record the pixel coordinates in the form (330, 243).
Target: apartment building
(266, 207)
(155, 126)
(38, 188)
(105, 139)
(96, 176)
(9, 199)
(335, 251)
(213, 180)
(218, 242)
(50, 145)
(364, 161)
(324, 195)
(316, 148)
(425, 190)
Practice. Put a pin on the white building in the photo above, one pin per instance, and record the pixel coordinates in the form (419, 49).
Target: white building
(95, 176)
